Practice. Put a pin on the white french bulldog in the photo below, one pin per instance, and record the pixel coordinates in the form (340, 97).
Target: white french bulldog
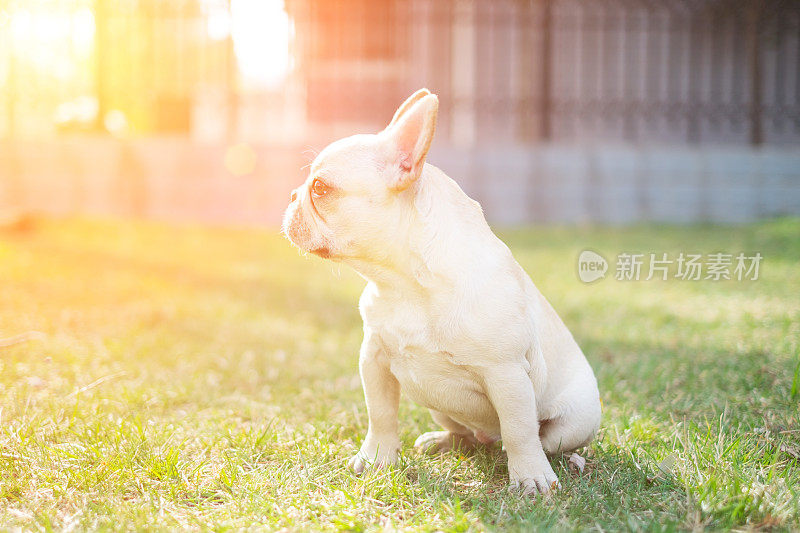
(449, 316)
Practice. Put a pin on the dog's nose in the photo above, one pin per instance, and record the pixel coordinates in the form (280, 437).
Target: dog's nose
(293, 196)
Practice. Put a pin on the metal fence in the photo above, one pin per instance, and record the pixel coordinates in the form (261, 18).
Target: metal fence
(507, 71)
(689, 72)
(510, 71)
(686, 72)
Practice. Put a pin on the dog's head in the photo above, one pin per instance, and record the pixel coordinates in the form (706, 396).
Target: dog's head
(358, 190)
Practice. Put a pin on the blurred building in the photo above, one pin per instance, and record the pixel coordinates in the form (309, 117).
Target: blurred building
(521, 71)
(551, 110)
(507, 71)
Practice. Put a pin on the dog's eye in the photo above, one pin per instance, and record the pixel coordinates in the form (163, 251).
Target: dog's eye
(318, 188)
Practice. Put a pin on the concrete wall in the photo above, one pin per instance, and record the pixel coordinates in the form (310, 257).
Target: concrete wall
(177, 179)
(166, 178)
(624, 184)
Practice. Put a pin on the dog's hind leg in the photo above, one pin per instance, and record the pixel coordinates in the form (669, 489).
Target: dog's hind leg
(455, 436)
(574, 427)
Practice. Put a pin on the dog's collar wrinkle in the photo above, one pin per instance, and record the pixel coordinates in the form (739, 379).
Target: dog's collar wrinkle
(418, 268)
(417, 272)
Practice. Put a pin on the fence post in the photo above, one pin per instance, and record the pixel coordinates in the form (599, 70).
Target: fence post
(11, 90)
(231, 85)
(754, 11)
(547, 38)
(100, 50)
(524, 98)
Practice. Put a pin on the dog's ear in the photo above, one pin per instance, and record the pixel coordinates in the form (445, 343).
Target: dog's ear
(411, 100)
(410, 138)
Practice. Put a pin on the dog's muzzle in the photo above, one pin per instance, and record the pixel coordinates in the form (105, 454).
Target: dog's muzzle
(298, 230)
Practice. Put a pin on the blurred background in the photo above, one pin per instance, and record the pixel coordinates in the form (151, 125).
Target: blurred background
(552, 111)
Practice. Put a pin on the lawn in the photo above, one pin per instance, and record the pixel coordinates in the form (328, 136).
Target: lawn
(203, 378)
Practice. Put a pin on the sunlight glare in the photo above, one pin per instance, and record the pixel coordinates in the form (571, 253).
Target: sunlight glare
(260, 31)
(218, 21)
(37, 37)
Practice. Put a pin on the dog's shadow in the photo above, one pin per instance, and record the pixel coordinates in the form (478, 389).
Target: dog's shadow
(475, 482)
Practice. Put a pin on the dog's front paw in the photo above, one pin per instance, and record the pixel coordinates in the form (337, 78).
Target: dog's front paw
(374, 455)
(532, 475)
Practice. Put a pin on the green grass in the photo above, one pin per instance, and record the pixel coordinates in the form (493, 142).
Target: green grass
(207, 378)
